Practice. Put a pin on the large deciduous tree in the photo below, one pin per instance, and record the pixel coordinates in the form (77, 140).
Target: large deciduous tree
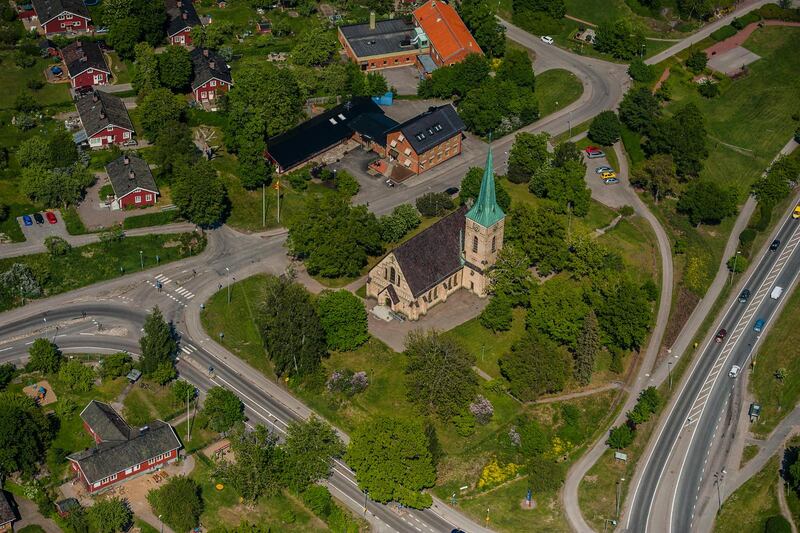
(57, 187)
(178, 502)
(558, 310)
(146, 72)
(223, 409)
(656, 175)
(683, 136)
(707, 202)
(624, 313)
(639, 109)
(110, 515)
(586, 348)
(605, 128)
(157, 342)
(541, 234)
(623, 39)
(159, 108)
(479, 17)
(175, 68)
(132, 21)
(528, 154)
(200, 194)
(25, 434)
(439, 374)
(309, 451)
(517, 68)
(314, 48)
(392, 461)
(534, 366)
(510, 277)
(258, 469)
(565, 186)
(45, 357)
(343, 318)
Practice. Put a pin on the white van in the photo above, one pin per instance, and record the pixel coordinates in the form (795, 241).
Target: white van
(776, 293)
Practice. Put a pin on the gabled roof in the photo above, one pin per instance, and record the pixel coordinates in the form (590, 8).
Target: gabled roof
(208, 65)
(128, 173)
(181, 15)
(6, 512)
(109, 458)
(431, 256)
(388, 37)
(445, 29)
(82, 55)
(314, 136)
(432, 127)
(486, 211)
(106, 422)
(99, 109)
(47, 10)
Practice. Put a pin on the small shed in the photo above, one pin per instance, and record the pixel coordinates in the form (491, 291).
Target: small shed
(66, 506)
(754, 412)
(264, 27)
(134, 375)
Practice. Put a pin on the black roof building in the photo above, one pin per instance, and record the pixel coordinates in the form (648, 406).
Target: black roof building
(431, 128)
(317, 135)
(100, 110)
(47, 10)
(7, 514)
(433, 255)
(128, 173)
(208, 65)
(386, 37)
(181, 15)
(82, 55)
(126, 447)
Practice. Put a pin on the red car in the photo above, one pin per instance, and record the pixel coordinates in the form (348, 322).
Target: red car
(51, 217)
(721, 335)
(590, 149)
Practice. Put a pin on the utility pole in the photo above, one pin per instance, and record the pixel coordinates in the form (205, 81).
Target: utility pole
(278, 192)
(669, 366)
(141, 258)
(187, 413)
(263, 205)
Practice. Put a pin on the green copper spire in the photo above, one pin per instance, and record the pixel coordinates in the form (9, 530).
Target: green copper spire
(485, 211)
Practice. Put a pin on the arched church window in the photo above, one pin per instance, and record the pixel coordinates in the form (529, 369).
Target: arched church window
(474, 244)
(494, 244)
(391, 275)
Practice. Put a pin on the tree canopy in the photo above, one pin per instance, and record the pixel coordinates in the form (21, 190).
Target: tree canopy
(623, 39)
(707, 202)
(158, 108)
(178, 502)
(534, 366)
(343, 318)
(683, 136)
(200, 194)
(110, 515)
(310, 448)
(258, 469)
(471, 187)
(175, 68)
(639, 109)
(479, 17)
(223, 409)
(157, 342)
(528, 154)
(45, 357)
(25, 434)
(605, 128)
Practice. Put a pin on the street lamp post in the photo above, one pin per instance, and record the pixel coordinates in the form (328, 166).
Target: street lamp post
(669, 366)
(162, 523)
(228, 270)
(141, 259)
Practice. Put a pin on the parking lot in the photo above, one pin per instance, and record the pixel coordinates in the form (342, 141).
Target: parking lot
(403, 79)
(613, 195)
(37, 233)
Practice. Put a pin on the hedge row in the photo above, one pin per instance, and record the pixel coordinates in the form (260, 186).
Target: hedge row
(151, 219)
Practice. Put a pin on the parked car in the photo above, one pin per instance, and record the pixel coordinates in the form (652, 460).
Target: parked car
(600, 170)
(51, 217)
(776, 293)
(452, 191)
(734, 371)
(607, 175)
(775, 245)
(595, 155)
(26, 219)
(721, 335)
(546, 39)
(38, 218)
(389, 183)
(591, 148)
(796, 213)
(744, 296)
(758, 327)
(611, 181)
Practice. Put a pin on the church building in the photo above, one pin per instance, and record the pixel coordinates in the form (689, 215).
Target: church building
(454, 253)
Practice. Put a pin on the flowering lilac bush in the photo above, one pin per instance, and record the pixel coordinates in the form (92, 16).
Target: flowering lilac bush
(514, 436)
(348, 382)
(482, 409)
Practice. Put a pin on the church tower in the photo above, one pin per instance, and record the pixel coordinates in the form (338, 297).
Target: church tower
(483, 234)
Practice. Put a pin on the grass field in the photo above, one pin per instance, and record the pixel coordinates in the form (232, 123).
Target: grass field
(779, 350)
(15, 80)
(145, 405)
(556, 89)
(747, 509)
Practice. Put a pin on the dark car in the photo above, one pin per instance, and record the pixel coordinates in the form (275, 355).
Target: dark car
(744, 296)
(721, 335)
(452, 191)
(51, 217)
(38, 218)
(775, 245)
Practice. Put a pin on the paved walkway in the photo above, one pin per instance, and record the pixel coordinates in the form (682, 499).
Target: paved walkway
(572, 395)
(30, 516)
(739, 39)
(787, 514)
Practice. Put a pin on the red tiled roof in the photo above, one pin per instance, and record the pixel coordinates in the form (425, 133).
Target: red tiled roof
(446, 31)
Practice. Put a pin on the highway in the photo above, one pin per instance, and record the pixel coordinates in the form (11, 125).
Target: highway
(676, 470)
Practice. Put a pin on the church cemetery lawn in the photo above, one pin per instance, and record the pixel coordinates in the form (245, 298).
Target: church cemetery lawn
(556, 89)
(97, 262)
(778, 351)
(753, 503)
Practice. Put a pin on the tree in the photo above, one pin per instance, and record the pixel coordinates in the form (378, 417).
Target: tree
(310, 448)
(471, 187)
(565, 185)
(647, 405)
(334, 238)
(34, 151)
(656, 175)
(19, 280)
(434, 204)
(622, 39)
(479, 18)
(564, 153)
(183, 392)
(76, 376)
(293, 334)
(7, 373)
(683, 136)
(200, 194)
(620, 437)
(776, 184)
(534, 366)
(697, 61)
(174, 68)
(605, 128)
(639, 109)
(498, 106)
(132, 21)
(707, 202)
(173, 149)
(346, 184)
(57, 246)
(439, 374)
(528, 154)
(178, 502)
(517, 68)
(25, 434)
(559, 310)
(115, 365)
(157, 342)
(223, 409)
(541, 234)
(110, 515)
(254, 171)
(497, 315)
(45, 357)
(164, 373)
(457, 79)
(58, 187)
(146, 71)
(510, 277)
(777, 524)
(396, 225)
(258, 469)
(586, 348)
(624, 314)
(313, 48)
(343, 318)
(737, 264)
(158, 108)
(641, 71)
(392, 462)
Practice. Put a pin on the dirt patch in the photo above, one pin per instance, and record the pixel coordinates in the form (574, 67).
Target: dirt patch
(171, 244)
(41, 392)
(220, 450)
(525, 505)
(686, 303)
(87, 253)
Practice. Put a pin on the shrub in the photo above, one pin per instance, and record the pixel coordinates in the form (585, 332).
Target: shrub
(348, 382)
(620, 437)
(544, 475)
(640, 71)
(737, 264)
(346, 183)
(626, 211)
(57, 246)
(482, 409)
(747, 236)
(697, 61)
(777, 524)
(434, 204)
(723, 33)
(319, 500)
(465, 424)
(708, 89)
(493, 474)
(497, 315)
(773, 11)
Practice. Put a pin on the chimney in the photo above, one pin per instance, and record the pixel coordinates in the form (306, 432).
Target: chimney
(126, 160)
(212, 64)
(372, 20)
(94, 96)
(205, 52)
(131, 175)
(102, 114)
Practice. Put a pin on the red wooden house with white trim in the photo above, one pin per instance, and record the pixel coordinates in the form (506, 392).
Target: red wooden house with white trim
(120, 451)
(105, 119)
(211, 75)
(86, 64)
(62, 16)
(132, 182)
(182, 17)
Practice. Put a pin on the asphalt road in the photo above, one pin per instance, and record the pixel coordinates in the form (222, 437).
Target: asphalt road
(696, 414)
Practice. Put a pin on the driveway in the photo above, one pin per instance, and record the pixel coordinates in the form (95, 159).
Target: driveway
(615, 195)
(37, 233)
(403, 79)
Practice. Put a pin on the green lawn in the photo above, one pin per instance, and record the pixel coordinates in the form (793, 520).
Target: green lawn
(121, 70)
(747, 510)
(97, 262)
(634, 239)
(556, 89)
(15, 80)
(142, 406)
(486, 346)
(779, 350)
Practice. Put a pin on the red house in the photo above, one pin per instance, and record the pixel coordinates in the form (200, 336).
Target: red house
(132, 181)
(450, 40)
(105, 119)
(86, 64)
(120, 451)
(182, 17)
(62, 16)
(211, 75)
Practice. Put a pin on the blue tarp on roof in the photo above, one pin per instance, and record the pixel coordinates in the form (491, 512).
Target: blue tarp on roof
(386, 99)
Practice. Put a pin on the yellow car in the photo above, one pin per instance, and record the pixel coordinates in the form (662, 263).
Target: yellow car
(607, 175)
(796, 213)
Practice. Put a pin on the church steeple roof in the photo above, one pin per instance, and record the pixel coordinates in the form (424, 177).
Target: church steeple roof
(486, 211)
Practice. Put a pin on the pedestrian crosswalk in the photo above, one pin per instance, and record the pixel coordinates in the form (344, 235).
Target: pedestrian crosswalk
(175, 292)
(188, 349)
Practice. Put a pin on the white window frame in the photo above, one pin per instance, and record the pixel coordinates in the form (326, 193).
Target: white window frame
(213, 83)
(137, 198)
(69, 16)
(148, 198)
(61, 17)
(126, 135)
